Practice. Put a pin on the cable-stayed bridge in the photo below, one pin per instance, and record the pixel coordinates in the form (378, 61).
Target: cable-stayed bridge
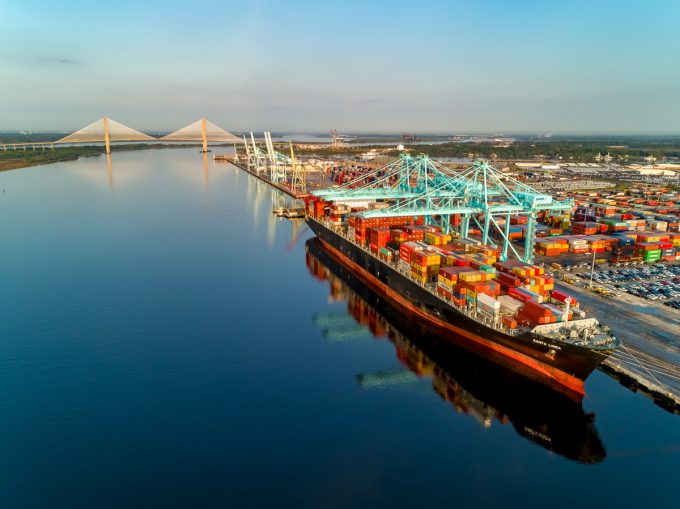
(284, 170)
(107, 131)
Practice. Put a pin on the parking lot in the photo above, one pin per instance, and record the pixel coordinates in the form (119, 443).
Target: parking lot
(652, 282)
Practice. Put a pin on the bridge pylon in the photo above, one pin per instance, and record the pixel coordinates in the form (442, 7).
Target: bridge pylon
(105, 130)
(107, 137)
(202, 130)
(204, 133)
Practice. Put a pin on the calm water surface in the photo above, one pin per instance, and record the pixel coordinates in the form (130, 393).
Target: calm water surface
(166, 342)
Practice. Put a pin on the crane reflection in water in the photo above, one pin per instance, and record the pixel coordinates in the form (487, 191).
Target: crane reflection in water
(473, 385)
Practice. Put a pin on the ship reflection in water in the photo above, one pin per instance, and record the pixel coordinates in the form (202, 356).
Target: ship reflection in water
(473, 385)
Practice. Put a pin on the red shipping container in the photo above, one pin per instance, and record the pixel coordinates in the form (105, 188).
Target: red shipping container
(444, 293)
(512, 292)
(535, 309)
(508, 279)
(406, 248)
(452, 272)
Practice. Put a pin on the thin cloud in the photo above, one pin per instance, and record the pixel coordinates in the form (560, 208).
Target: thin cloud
(58, 61)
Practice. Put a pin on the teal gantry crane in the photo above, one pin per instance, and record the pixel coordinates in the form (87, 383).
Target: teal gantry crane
(417, 186)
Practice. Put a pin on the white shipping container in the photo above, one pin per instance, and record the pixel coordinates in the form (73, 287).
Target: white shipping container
(489, 313)
(511, 304)
(487, 301)
(485, 307)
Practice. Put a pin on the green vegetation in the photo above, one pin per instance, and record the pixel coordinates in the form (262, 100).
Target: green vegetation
(581, 151)
(565, 151)
(326, 151)
(16, 137)
(621, 186)
(13, 159)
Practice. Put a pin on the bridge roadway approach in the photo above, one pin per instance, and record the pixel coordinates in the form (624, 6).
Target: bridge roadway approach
(108, 131)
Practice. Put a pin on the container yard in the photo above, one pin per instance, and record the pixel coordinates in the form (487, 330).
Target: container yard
(286, 172)
(638, 225)
(467, 260)
(404, 216)
(464, 257)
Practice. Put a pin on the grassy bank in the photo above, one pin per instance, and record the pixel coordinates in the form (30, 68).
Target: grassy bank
(14, 159)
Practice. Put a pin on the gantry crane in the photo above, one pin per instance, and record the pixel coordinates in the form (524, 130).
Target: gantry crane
(480, 194)
(259, 159)
(278, 163)
(298, 179)
(250, 160)
(336, 139)
(403, 178)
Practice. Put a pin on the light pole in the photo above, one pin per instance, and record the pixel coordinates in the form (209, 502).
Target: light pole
(592, 270)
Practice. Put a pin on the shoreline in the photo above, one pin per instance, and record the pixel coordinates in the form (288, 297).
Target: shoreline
(32, 158)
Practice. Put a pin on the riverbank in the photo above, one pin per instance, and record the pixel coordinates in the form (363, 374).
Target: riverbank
(16, 159)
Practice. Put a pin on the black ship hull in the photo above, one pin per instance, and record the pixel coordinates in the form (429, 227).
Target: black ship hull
(469, 381)
(560, 365)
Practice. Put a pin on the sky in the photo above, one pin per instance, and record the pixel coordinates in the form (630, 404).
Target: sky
(456, 66)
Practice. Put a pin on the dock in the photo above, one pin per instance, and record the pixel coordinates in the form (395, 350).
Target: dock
(648, 361)
(290, 213)
(262, 176)
(648, 367)
(644, 363)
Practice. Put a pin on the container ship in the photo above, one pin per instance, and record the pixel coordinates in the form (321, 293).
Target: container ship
(508, 312)
(491, 394)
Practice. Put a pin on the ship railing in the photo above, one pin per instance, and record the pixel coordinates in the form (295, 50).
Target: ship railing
(430, 287)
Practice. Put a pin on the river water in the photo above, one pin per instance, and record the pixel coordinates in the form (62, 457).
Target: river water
(167, 342)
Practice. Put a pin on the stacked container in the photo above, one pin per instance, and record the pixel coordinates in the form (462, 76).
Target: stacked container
(398, 236)
(525, 295)
(447, 279)
(406, 251)
(509, 280)
(551, 247)
(424, 265)
(437, 238)
(361, 224)
(509, 305)
(560, 298)
(650, 251)
(539, 314)
(533, 313)
(578, 245)
(379, 238)
(414, 233)
(488, 306)
(585, 228)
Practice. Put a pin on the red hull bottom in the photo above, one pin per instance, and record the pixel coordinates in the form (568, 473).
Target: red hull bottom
(548, 375)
